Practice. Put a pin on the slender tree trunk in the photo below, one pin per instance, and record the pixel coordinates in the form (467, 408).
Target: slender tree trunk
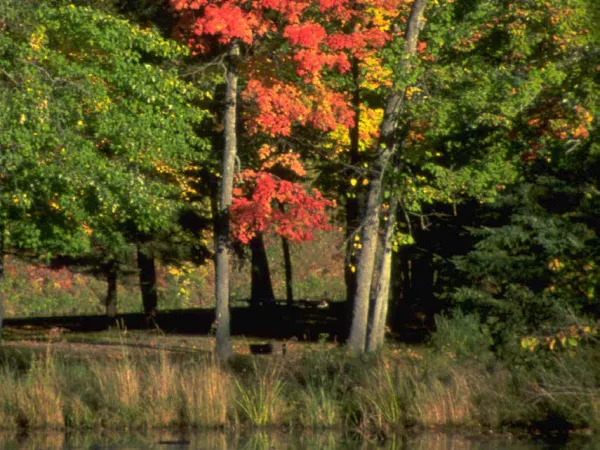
(287, 261)
(1, 277)
(111, 273)
(366, 261)
(223, 252)
(352, 202)
(147, 271)
(261, 287)
(381, 293)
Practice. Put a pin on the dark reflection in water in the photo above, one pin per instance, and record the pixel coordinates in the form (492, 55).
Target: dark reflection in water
(262, 440)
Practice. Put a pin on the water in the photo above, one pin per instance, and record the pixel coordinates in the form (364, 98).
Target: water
(276, 440)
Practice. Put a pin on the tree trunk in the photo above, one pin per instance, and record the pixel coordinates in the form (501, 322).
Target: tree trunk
(223, 252)
(366, 261)
(352, 201)
(381, 295)
(262, 287)
(111, 271)
(1, 278)
(287, 261)
(147, 271)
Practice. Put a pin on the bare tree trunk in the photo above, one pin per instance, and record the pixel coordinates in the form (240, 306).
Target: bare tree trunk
(1, 277)
(287, 261)
(381, 294)
(380, 298)
(352, 202)
(223, 252)
(366, 262)
(147, 271)
(261, 285)
(111, 273)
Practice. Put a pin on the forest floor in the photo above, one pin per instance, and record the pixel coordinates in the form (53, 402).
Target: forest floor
(110, 343)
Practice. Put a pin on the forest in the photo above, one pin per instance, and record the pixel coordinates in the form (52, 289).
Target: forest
(437, 159)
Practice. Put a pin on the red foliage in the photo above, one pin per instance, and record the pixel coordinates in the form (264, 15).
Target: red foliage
(319, 42)
(304, 211)
(313, 49)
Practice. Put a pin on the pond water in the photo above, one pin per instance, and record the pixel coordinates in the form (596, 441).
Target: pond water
(214, 440)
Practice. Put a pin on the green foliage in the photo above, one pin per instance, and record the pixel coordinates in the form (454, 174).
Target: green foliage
(462, 336)
(97, 129)
(540, 267)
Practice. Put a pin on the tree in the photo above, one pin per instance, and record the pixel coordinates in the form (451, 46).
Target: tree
(386, 147)
(276, 105)
(479, 67)
(93, 96)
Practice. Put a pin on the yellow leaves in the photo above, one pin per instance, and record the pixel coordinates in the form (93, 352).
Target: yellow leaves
(264, 152)
(554, 265)
(412, 90)
(175, 271)
(353, 181)
(568, 338)
(22, 119)
(37, 40)
(87, 229)
(382, 18)
(80, 123)
(289, 160)
(102, 105)
(369, 125)
(530, 343)
(375, 74)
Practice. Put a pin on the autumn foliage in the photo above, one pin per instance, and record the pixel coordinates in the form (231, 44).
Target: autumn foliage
(315, 41)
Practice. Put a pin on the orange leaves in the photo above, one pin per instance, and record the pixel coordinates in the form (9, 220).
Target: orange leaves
(263, 202)
(318, 43)
(279, 106)
(308, 34)
(289, 160)
(303, 212)
(228, 21)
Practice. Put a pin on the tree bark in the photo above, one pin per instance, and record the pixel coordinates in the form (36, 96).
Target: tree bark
(352, 201)
(380, 298)
(147, 274)
(223, 253)
(1, 278)
(381, 295)
(366, 262)
(287, 261)
(111, 273)
(261, 285)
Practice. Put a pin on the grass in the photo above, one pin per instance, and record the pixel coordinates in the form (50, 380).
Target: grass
(312, 386)
(38, 290)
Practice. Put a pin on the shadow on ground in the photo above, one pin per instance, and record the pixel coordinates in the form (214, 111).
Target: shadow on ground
(305, 321)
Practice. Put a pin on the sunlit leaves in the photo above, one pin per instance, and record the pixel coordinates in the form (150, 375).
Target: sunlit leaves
(99, 137)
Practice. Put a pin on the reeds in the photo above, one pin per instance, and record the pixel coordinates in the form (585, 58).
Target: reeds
(380, 395)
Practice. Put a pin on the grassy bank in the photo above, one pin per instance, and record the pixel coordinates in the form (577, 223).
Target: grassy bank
(317, 388)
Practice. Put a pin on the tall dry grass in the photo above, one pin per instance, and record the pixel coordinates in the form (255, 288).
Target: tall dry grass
(34, 400)
(381, 394)
(447, 402)
(206, 395)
